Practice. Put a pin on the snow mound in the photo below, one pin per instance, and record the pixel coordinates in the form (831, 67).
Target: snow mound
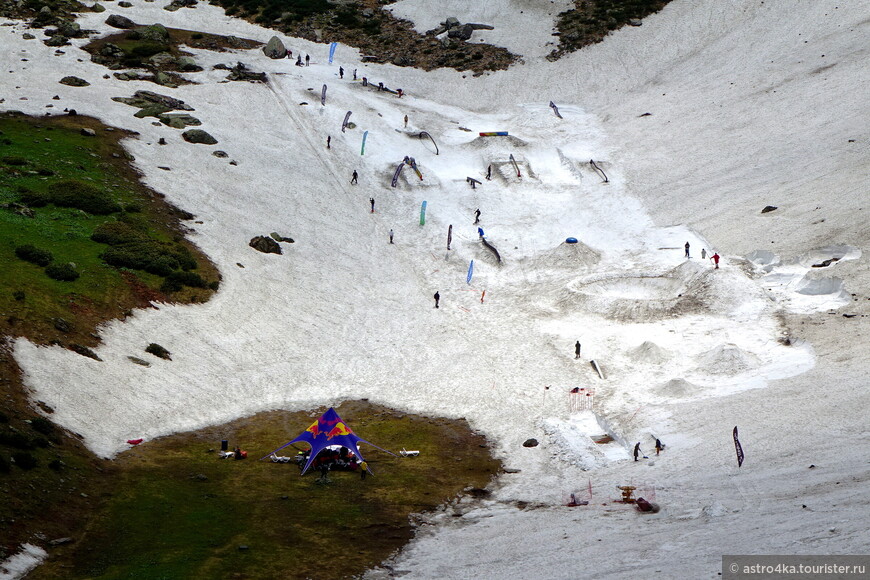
(566, 257)
(763, 260)
(829, 254)
(715, 510)
(728, 359)
(650, 352)
(821, 286)
(677, 389)
(571, 442)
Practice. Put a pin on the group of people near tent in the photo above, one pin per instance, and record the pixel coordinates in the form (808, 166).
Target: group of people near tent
(334, 458)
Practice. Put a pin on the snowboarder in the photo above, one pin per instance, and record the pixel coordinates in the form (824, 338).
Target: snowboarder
(659, 446)
(354, 177)
(715, 258)
(328, 141)
(299, 60)
(354, 74)
(307, 59)
(687, 250)
(636, 450)
(703, 253)
(363, 469)
(577, 349)
(372, 201)
(406, 121)
(488, 172)
(391, 236)
(477, 216)
(437, 298)
(341, 72)
(480, 231)
(399, 92)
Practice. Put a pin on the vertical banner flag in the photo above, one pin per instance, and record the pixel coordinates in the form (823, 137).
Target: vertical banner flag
(555, 109)
(346, 119)
(470, 272)
(738, 448)
(514, 161)
(323, 96)
(423, 214)
(449, 235)
(396, 174)
(362, 150)
(332, 48)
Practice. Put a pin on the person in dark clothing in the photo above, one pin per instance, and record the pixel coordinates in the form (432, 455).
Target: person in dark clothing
(341, 72)
(437, 298)
(577, 350)
(307, 59)
(636, 450)
(372, 201)
(299, 60)
(489, 172)
(687, 250)
(324, 470)
(328, 141)
(391, 236)
(659, 446)
(354, 177)
(477, 216)
(354, 74)
(380, 86)
(365, 82)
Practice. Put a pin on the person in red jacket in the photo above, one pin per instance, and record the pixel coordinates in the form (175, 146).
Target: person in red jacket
(715, 258)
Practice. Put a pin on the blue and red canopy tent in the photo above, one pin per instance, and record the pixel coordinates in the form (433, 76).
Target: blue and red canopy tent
(328, 430)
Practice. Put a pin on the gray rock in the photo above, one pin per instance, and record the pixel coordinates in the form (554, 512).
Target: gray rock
(98, 8)
(768, 208)
(88, 132)
(139, 361)
(635, 22)
(118, 21)
(275, 48)
(530, 443)
(151, 111)
(69, 28)
(221, 154)
(74, 81)
(57, 40)
(461, 32)
(179, 120)
(187, 64)
(62, 325)
(161, 59)
(279, 238)
(60, 541)
(165, 79)
(451, 22)
(27, 36)
(265, 244)
(198, 136)
(154, 33)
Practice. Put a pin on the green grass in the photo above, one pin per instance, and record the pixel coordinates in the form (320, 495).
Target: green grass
(177, 511)
(46, 164)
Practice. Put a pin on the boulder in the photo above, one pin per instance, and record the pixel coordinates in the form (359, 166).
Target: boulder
(530, 443)
(161, 60)
(154, 33)
(187, 64)
(179, 120)
(69, 28)
(198, 136)
(451, 22)
(57, 40)
(768, 208)
(275, 48)
(461, 32)
(98, 8)
(118, 21)
(74, 81)
(265, 244)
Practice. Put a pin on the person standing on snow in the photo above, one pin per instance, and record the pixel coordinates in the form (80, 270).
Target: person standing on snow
(372, 201)
(715, 258)
(406, 121)
(477, 216)
(577, 350)
(391, 236)
(437, 298)
(354, 74)
(480, 231)
(354, 177)
(636, 450)
(328, 141)
(687, 250)
(488, 172)
(659, 446)
(307, 59)
(703, 253)
(341, 72)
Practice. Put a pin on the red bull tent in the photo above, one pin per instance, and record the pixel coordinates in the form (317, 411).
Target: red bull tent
(329, 430)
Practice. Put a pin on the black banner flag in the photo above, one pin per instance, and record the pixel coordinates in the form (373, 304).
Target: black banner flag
(738, 448)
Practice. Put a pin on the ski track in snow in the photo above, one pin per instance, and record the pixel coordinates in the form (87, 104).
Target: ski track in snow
(345, 315)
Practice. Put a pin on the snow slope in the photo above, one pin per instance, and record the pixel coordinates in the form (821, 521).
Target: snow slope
(744, 113)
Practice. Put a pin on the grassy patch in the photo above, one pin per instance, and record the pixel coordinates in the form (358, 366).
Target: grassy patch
(178, 511)
(71, 208)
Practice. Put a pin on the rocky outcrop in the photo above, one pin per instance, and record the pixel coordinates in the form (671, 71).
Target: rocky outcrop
(74, 81)
(265, 244)
(198, 136)
(118, 21)
(275, 48)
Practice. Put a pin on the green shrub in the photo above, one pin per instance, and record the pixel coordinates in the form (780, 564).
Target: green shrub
(83, 196)
(43, 425)
(24, 460)
(146, 49)
(62, 272)
(116, 233)
(33, 198)
(177, 280)
(34, 255)
(14, 160)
